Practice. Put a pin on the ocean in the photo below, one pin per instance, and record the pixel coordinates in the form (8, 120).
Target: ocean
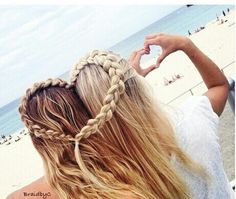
(180, 21)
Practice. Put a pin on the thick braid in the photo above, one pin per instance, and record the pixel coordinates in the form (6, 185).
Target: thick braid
(110, 63)
(36, 129)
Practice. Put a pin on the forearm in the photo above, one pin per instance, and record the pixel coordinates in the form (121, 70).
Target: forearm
(212, 76)
(209, 71)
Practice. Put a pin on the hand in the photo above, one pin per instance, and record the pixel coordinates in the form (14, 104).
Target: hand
(168, 43)
(134, 61)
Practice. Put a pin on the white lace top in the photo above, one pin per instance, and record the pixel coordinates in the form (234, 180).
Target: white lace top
(197, 133)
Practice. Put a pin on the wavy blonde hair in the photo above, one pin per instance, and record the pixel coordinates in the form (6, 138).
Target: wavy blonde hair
(109, 139)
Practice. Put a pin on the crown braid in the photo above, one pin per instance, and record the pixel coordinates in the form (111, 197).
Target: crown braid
(110, 63)
(34, 128)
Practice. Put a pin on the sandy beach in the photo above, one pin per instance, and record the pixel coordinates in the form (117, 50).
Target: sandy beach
(21, 164)
(217, 41)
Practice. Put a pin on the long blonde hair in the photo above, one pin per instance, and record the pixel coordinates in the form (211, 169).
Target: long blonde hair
(108, 138)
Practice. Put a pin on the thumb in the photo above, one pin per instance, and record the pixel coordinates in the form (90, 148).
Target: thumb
(148, 70)
(161, 58)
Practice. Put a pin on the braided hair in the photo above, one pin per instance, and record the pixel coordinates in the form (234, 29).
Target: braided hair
(34, 128)
(110, 63)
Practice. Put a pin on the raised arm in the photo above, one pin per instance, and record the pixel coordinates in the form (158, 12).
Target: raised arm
(216, 82)
(214, 79)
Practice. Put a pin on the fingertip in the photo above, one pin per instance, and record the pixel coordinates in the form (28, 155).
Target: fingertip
(146, 47)
(143, 50)
(150, 36)
(152, 67)
(147, 52)
(146, 43)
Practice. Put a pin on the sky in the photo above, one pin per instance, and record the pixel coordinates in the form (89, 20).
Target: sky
(40, 42)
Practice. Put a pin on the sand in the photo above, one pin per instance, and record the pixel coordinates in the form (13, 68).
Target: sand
(21, 164)
(216, 41)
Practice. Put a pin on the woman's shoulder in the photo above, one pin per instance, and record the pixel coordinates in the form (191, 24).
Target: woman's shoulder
(197, 128)
(200, 105)
(197, 134)
(36, 190)
(197, 110)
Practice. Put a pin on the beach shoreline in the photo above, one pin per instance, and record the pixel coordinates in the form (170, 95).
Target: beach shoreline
(217, 40)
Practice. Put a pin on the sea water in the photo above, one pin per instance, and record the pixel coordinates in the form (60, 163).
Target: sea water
(178, 22)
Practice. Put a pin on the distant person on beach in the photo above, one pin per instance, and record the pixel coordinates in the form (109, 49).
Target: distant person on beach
(223, 21)
(17, 139)
(189, 33)
(178, 76)
(224, 13)
(174, 78)
(103, 136)
(228, 10)
(199, 29)
(166, 81)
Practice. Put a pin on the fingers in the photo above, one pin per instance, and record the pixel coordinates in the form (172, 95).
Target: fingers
(153, 39)
(147, 48)
(151, 36)
(149, 42)
(139, 54)
(148, 70)
(132, 56)
(161, 58)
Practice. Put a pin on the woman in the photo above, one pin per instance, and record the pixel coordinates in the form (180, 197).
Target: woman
(110, 139)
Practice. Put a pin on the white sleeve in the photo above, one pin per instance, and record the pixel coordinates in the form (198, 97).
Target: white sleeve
(200, 107)
(198, 132)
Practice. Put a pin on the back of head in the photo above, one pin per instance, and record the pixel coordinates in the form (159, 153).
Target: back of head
(54, 114)
(59, 114)
(125, 141)
(132, 149)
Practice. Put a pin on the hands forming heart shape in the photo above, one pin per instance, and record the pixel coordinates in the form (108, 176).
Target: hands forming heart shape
(168, 44)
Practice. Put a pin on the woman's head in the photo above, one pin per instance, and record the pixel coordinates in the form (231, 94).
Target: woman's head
(54, 114)
(125, 140)
(138, 136)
